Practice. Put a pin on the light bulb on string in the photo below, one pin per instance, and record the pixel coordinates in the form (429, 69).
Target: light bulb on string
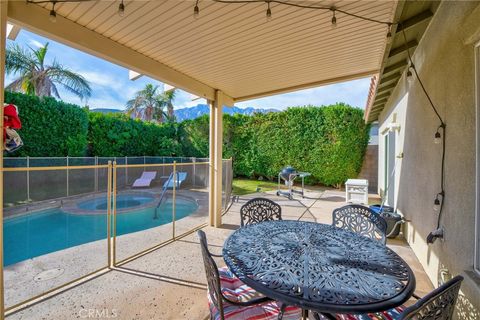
(121, 9)
(53, 15)
(196, 11)
(269, 12)
(389, 33)
(410, 75)
(438, 138)
(334, 18)
(436, 204)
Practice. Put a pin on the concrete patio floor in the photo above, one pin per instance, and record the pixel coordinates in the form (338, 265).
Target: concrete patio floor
(169, 283)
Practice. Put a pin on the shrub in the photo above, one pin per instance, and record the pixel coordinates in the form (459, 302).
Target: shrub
(50, 128)
(328, 141)
(112, 135)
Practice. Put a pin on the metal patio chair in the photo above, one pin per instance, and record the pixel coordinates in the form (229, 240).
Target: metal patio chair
(362, 220)
(258, 210)
(230, 298)
(439, 304)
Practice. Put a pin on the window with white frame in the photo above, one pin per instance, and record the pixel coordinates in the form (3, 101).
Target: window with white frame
(477, 218)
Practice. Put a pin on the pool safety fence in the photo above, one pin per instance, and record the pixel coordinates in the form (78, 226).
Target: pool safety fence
(84, 216)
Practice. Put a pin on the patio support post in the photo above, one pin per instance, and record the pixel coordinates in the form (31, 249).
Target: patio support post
(218, 109)
(211, 172)
(3, 35)
(216, 142)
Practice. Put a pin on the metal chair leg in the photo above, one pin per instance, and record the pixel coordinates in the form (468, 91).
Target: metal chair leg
(282, 311)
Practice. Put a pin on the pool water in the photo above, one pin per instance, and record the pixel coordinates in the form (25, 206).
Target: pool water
(48, 231)
(123, 202)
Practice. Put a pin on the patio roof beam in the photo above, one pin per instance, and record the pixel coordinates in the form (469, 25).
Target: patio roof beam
(386, 88)
(308, 85)
(403, 48)
(413, 21)
(378, 107)
(35, 18)
(393, 77)
(379, 103)
(395, 67)
(383, 95)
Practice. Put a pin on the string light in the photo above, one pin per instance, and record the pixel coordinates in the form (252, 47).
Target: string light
(53, 15)
(196, 11)
(334, 18)
(121, 9)
(334, 10)
(437, 203)
(389, 33)
(438, 138)
(269, 12)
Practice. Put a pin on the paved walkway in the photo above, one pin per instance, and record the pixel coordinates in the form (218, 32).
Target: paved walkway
(172, 282)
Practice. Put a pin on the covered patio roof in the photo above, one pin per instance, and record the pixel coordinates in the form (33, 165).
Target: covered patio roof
(229, 47)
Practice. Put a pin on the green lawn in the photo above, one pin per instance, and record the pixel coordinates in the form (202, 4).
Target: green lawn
(246, 186)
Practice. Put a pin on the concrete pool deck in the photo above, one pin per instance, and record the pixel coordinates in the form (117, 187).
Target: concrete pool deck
(169, 283)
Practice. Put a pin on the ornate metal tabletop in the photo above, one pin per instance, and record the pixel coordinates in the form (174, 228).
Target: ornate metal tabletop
(317, 266)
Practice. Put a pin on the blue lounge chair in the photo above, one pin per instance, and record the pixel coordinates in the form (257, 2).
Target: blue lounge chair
(180, 177)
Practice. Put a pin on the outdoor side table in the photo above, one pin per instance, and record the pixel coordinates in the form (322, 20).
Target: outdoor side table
(356, 191)
(318, 267)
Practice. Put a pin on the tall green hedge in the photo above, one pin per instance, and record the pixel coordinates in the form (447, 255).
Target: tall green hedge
(117, 135)
(328, 141)
(50, 128)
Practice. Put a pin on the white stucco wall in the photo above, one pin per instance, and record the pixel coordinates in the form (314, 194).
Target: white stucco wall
(445, 62)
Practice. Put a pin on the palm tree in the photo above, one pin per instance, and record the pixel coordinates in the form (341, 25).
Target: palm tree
(37, 78)
(149, 105)
(166, 99)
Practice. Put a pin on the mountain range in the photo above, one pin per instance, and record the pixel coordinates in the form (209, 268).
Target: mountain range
(199, 110)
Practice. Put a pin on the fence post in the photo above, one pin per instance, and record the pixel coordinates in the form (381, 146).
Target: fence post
(28, 179)
(68, 183)
(194, 172)
(109, 213)
(126, 171)
(96, 174)
(163, 167)
(174, 196)
(114, 210)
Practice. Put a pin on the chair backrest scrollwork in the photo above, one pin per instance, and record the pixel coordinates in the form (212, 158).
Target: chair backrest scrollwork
(437, 305)
(362, 220)
(258, 210)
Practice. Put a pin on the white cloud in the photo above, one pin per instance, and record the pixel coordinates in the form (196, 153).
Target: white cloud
(102, 79)
(35, 43)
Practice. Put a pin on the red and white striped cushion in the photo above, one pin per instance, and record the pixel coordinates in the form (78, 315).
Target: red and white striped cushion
(228, 279)
(236, 291)
(391, 314)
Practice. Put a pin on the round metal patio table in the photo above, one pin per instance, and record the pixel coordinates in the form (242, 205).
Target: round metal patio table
(319, 267)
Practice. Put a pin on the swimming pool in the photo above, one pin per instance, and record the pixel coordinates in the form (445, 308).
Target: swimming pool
(123, 201)
(36, 234)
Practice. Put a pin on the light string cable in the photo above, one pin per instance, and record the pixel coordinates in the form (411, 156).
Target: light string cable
(304, 6)
(442, 126)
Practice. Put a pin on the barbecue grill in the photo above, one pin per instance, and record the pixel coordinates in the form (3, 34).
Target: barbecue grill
(288, 175)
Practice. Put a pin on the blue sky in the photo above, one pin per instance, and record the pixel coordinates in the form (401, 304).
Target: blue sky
(111, 87)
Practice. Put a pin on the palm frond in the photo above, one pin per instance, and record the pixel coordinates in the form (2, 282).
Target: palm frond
(19, 60)
(71, 81)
